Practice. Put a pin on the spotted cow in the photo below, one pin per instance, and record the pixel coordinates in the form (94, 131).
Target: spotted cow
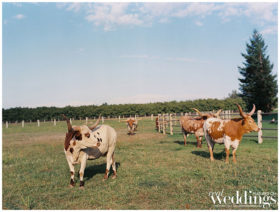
(229, 132)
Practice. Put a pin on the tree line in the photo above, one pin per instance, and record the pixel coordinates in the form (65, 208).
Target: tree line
(90, 111)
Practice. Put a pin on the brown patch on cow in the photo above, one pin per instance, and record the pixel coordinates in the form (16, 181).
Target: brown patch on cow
(71, 150)
(74, 143)
(69, 136)
(81, 174)
(87, 135)
(78, 136)
(72, 173)
(98, 144)
(214, 132)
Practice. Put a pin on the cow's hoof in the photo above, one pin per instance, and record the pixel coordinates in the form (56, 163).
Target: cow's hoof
(71, 186)
(114, 177)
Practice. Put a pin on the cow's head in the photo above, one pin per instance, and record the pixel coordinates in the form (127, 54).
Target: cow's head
(205, 116)
(76, 134)
(248, 122)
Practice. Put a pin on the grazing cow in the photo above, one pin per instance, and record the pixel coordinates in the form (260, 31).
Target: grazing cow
(228, 132)
(194, 125)
(84, 143)
(131, 125)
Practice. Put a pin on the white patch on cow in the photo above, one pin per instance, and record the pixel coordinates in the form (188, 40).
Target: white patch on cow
(227, 142)
(235, 144)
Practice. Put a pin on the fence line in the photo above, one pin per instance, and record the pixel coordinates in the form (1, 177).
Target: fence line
(169, 121)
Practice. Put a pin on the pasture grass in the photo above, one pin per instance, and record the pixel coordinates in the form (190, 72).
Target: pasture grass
(155, 171)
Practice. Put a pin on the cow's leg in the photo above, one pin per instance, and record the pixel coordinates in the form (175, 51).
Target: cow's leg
(109, 163)
(211, 148)
(185, 138)
(82, 170)
(234, 148)
(210, 144)
(198, 139)
(227, 146)
(72, 174)
(114, 167)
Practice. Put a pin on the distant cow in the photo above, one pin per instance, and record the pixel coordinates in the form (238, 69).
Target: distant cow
(132, 125)
(194, 125)
(84, 143)
(157, 124)
(228, 132)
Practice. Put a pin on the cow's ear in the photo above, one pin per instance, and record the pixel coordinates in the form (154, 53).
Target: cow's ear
(243, 122)
(87, 135)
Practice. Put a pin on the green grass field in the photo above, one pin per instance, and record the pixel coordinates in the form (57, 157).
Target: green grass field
(155, 171)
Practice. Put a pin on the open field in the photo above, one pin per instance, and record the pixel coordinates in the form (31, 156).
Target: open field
(155, 171)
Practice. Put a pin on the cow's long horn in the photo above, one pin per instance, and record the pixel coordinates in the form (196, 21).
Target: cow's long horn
(241, 111)
(96, 123)
(68, 123)
(199, 113)
(218, 113)
(252, 111)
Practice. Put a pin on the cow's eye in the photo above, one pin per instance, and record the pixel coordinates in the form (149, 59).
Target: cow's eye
(87, 135)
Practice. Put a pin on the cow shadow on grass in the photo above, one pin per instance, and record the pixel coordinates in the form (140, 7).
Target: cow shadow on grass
(205, 154)
(188, 143)
(93, 170)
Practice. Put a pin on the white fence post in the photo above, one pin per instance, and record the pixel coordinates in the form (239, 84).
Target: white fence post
(38, 122)
(170, 122)
(7, 125)
(163, 124)
(54, 122)
(152, 117)
(86, 120)
(22, 123)
(102, 119)
(260, 139)
(70, 120)
(119, 118)
(159, 123)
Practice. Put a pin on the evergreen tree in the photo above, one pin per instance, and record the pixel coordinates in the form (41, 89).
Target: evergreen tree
(258, 85)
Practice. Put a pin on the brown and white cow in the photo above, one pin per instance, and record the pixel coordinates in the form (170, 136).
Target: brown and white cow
(132, 125)
(194, 125)
(228, 132)
(84, 143)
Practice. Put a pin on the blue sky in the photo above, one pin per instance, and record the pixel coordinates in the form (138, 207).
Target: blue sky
(58, 54)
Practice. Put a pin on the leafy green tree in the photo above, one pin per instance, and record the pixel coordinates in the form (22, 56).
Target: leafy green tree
(258, 85)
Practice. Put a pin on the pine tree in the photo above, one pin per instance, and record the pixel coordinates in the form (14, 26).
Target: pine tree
(258, 85)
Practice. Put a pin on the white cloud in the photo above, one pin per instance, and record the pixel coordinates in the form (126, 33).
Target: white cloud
(74, 7)
(269, 30)
(198, 23)
(110, 15)
(186, 59)
(19, 16)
